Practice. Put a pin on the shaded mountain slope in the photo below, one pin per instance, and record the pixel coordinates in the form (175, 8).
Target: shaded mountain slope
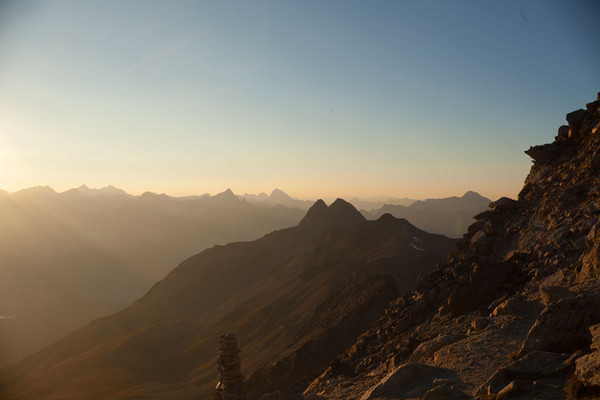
(515, 313)
(335, 325)
(265, 290)
(449, 216)
(86, 253)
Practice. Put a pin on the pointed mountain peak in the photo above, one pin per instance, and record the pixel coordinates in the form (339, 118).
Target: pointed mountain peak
(473, 195)
(226, 194)
(279, 194)
(316, 213)
(227, 197)
(345, 212)
(386, 218)
(340, 213)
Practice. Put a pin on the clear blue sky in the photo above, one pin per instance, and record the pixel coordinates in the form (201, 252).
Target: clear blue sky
(319, 98)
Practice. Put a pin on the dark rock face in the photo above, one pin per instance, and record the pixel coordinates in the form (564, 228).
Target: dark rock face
(576, 117)
(563, 326)
(551, 293)
(482, 285)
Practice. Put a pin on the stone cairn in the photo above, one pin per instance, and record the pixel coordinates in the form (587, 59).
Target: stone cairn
(229, 367)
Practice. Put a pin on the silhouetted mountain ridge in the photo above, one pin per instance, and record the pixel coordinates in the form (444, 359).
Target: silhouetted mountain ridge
(340, 214)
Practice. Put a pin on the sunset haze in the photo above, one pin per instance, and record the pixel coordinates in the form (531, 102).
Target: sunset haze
(321, 99)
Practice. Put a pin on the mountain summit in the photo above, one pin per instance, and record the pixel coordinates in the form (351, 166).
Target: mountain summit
(340, 214)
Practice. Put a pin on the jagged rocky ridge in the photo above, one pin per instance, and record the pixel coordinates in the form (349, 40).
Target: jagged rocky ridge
(513, 313)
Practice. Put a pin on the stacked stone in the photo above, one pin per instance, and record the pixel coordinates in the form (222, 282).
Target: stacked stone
(229, 367)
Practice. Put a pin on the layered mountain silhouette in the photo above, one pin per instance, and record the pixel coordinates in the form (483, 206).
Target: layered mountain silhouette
(375, 202)
(370, 203)
(450, 216)
(274, 292)
(67, 258)
(277, 197)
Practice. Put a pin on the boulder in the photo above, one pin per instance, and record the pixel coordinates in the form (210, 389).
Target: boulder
(484, 215)
(479, 323)
(481, 286)
(534, 366)
(587, 368)
(503, 202)
(591, 263)
(551, 293)
(408, 382)
(428, 348)
(576, 117)
(563, 325)
(508, 307)
(595, 331)
(540, 153)
(479, 240)
(563, 132)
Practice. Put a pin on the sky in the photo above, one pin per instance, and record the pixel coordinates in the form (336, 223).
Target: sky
(414, 99)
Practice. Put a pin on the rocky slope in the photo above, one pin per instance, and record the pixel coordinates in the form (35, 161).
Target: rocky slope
(267, 291)
(514, 313)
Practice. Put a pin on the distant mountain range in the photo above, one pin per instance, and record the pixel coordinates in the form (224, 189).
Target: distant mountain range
(66, 258)
(374, 202)
(277, 197)
(450, 216)
(275, 292)
(85, 252)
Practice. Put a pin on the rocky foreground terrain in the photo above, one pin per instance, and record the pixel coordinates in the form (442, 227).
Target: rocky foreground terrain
(515, 311)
